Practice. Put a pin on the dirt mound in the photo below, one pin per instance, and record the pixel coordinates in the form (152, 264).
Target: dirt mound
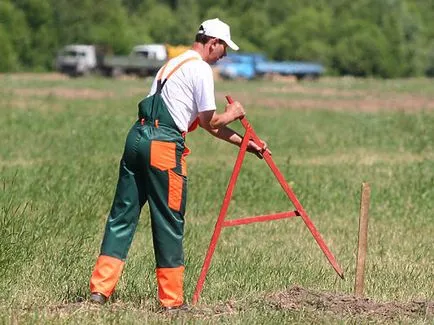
(297, 298)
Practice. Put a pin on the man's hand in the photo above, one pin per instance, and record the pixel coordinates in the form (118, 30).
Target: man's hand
(211, 120)
(236, 110)
(258, 150)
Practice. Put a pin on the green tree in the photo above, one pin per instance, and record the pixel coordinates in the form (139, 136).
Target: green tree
(279, 11)
(362, 50)
(310, 32)
(402, 25)
(131, 5)
(9, 60)
(113, 27)
(429, 69)
(73, 21)
(187, 21)
(304, 36)
(404, 28)
(279, 46)
(159, 21)
(101, 22)
(39, 16)
(252, 30)
(18, 36)
(387, 38)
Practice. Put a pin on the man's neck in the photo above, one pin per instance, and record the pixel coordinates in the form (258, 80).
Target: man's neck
(201, 49)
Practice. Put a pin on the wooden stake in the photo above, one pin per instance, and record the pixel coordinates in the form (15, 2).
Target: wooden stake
(363, 239)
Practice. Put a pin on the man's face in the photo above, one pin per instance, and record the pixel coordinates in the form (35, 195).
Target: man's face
(217, 50)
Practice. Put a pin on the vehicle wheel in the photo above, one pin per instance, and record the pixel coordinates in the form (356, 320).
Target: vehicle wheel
(86, 72)
(73, 74)
(143, 73)
(117, 72)
(300, 77)
(309, 77)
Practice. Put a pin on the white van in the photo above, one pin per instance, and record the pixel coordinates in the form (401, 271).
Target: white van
(76, 59)
(151, 51)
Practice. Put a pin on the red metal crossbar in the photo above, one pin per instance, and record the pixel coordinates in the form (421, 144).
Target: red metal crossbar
(251, 135)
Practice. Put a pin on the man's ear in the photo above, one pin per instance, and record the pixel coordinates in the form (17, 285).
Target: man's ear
(214, 41)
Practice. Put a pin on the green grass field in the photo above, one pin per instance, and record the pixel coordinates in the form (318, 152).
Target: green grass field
(61, 140)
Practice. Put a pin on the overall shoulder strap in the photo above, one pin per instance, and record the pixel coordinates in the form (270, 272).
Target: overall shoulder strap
(160, 84)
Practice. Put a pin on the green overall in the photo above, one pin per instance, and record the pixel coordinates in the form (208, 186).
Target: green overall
(153, 170)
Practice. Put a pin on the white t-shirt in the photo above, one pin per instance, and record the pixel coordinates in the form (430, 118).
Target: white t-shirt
(188, 91)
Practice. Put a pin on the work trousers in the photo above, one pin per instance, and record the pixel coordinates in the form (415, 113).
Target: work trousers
(153, 170)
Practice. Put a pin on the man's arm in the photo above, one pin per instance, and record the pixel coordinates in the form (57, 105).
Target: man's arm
(227, 134)
(212, 120)
(216, 125)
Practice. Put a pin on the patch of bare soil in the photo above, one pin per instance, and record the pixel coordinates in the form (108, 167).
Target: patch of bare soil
(298, 89)
(68, 93)
(35, 76)
(297, 298)
(337, 101)
(363, 158)
(30, 105)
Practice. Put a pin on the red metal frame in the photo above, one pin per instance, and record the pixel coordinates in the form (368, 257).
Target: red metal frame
(251, 135)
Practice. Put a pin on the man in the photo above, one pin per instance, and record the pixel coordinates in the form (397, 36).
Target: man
(153, 168)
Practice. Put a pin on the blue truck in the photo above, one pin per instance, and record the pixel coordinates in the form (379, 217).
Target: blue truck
(253, 65)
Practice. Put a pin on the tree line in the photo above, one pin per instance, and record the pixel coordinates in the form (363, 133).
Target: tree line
(383, 38)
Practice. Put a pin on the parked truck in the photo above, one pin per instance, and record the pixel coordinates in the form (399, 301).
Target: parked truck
(76, 59)
(144, 60)
(253, 65)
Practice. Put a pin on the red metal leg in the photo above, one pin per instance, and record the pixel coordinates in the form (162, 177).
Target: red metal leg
(221, 218)
(268, 217)
(303, 214)
(293, 198)
(251, 135)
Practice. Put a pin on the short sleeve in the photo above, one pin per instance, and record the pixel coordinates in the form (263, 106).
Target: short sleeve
(153, 87)
(204, 88)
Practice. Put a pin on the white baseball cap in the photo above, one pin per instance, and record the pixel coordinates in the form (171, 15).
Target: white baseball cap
(217, 28)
